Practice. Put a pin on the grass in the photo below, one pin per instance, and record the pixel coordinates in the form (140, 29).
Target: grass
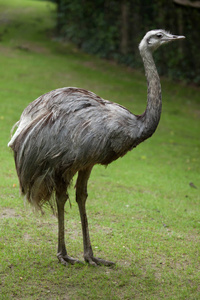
(143, 209)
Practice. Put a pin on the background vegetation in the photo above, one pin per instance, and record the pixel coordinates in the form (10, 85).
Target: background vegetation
(143, 209)
(112, 29)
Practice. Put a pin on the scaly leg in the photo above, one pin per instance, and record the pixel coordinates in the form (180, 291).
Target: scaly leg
(81, 196)
(61, 198)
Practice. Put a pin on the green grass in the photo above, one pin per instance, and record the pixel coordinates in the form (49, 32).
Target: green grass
(143, 212)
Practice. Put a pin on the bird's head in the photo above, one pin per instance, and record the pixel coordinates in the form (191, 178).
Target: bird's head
(155, 38)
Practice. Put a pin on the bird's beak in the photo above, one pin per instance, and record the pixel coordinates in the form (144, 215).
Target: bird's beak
(172, 37)
(178, 37)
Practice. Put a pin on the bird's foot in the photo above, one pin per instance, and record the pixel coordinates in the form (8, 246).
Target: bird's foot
(65, 260)
(94, 261)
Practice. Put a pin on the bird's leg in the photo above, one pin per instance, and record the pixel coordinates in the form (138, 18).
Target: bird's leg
(81, 196)
(61, 198)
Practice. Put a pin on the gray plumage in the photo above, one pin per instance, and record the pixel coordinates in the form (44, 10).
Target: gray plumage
(69, 130)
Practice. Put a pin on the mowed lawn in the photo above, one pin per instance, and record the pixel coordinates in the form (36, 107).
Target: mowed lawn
(143, 209)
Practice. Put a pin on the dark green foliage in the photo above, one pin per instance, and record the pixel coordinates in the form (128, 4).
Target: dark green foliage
(92, 25)
(112, 29)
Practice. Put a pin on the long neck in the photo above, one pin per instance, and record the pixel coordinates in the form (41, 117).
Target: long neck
(151, 116)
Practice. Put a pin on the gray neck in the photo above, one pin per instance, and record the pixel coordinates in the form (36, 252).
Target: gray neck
(151, 116)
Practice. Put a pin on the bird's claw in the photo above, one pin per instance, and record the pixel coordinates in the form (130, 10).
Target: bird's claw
(66, 260)
(94, 261)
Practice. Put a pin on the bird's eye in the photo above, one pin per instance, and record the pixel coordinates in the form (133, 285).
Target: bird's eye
(159, 35)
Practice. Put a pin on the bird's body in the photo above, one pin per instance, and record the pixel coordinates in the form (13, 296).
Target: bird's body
(69, 130)
(81, 119)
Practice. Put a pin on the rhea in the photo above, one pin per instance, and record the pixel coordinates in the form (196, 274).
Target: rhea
(69, 130)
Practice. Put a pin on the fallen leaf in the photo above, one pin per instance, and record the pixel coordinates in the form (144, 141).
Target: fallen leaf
(192, 185)
(143, 157)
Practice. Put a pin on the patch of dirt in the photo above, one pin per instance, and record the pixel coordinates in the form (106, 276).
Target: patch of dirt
(9, 213)
(7, 51)
(25, 47)
(4, 18)
(32, 47)
(27, 237)
(90, 65)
